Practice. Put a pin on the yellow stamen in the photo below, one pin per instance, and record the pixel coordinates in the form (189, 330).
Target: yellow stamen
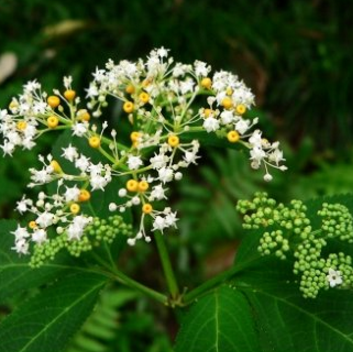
(32, 224)
(144, 97)
(143, 186)
(128, 107)
(74, 208)
(94, 142)
(206, 83)
(241, 109)
(132, 186)
(52, 122)
(53, 101)
(173, 141)
(233, 136)
(56, 166)
(83, 115)
(84, 195)
(130, 89)
(227, 103)
(21, 125)
(147, 208)
(70, 94)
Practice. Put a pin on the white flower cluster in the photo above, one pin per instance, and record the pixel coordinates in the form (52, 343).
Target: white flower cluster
(168, 105)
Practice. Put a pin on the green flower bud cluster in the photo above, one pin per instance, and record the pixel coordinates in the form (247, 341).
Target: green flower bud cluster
(337, 221)
(100, 230)
(289, 232)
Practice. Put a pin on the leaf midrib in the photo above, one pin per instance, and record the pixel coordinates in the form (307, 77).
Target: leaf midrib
(290, 304)
(63, 312)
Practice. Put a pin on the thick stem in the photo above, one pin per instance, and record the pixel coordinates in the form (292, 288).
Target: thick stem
(127, 281)
(217, 281)
(167, 266)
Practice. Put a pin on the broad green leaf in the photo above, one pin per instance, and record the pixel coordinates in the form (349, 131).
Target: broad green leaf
(15, 273)
(221, 321)
(285, 320)
(47, 321)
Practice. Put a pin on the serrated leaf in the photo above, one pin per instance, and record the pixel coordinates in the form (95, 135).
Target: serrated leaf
(288, 322)
(15, 273)
(285, 320)
(219, 322)
(47, 321)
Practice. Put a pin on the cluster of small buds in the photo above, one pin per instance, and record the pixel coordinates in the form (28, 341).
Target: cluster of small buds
(289, 232)
(337, 222)
(168, 105)
(98, 231)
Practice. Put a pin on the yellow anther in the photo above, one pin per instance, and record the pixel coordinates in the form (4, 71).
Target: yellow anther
(52, 121)
(241, 109)
(233, 136)
(130, 89)
(83, 115)
(134, 136)
(144, 97)
(206, 83)
(53, 101)
(84, 195)
(147, 208)
(132, 186)
(70, 94)
(146, 82)
(21, 125)
(13, 104)
(229, 91)
(227, 103)
(207, 112)
(56, 166)
(32, 224)
(75, 208)
(94, 142)
(143, 186)
(173, 141)
(128, 107)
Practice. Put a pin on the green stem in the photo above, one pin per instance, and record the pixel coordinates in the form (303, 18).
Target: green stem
(167, 265)
(217, 280)
(128, 281)
(117, 275)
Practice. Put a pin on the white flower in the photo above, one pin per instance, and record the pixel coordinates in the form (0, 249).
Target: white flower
(134, 162)
(71, 194)
(45, 219)
(257, 154)
(165, 174)
(201, 68)
(159, 223)
(159, 161)
(276, 156)
(21, 246)
(77, 227)
(70, 153)
(39, 236)
(82, 163)
(211, 124)
(42, 176)
(242, 126)
(171, 219)
(79, 129)
(23, 204)
(334, 277)
(157, 193)
(20, 233)
(226, 117)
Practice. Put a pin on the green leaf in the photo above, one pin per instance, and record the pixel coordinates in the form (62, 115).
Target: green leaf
(219, 322)
(286, 321)
(47, 321)
(15, 273)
